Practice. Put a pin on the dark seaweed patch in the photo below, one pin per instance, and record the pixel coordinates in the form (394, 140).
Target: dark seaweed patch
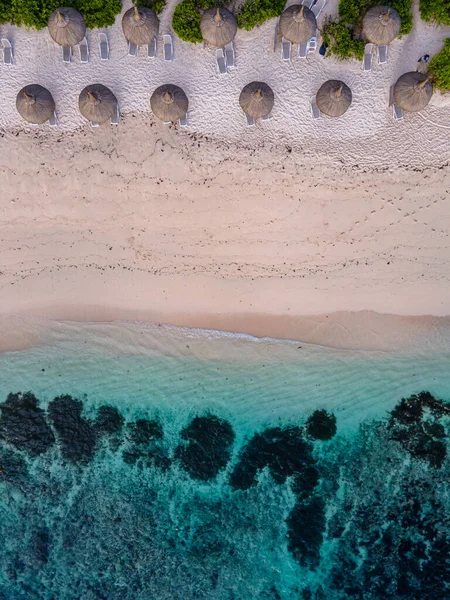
(207, 447)
(283, 450)
(145, 450)
(306, 526)
(23, 424)
(109, 421)
(144, 431)
(304, 483)
(76, 434)
(321, 425)
(13, 468)
(40, 545)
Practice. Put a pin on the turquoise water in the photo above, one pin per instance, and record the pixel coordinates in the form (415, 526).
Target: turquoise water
(206, 478)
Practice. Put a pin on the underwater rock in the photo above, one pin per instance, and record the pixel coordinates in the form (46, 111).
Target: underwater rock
(283, 450)
(144, 431)
(13, 468)
(304, 483)
(306, 526)
(76, 434)
(23, 424)
(207, 447)
(40, 545)
(108, 421)
(321, 425)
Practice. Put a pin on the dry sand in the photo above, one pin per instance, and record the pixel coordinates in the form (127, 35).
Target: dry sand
(220, 226)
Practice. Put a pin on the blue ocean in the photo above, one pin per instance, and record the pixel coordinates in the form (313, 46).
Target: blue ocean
(156, 463)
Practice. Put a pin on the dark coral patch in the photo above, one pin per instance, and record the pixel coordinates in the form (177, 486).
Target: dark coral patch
(283, 450)
(40, 545)
(145, 436)
(304, 483)
(23, 424)
(144, 431)
(207, 447)
(109, 421)
(306, 526)
(75, 433)
(321, 425)
(13, 468)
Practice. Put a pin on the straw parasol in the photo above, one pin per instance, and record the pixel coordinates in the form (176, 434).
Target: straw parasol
(298, 24)
(66, 26)
(256, 99)
(218, 26)
(381, 25)
(333, 98)
(97, 103)
(140, 25)
(169, 102)
(35, 104)
(413, 91)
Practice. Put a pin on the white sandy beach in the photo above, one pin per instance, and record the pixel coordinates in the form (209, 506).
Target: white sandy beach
(220, 226)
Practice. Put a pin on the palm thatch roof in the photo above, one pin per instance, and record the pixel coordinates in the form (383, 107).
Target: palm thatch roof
(381, 25)
(257, 99)
(413, 91)
(218, 26)
(333, 98)
(35, 104)
(66, 26)
(97, 103)
(298, 24)
(140, 25)
(169, 102)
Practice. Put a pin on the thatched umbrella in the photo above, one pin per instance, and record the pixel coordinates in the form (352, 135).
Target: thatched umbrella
(333, 98)
(413, 91)
(66, 26)
(169, 102)
(381, 25)
(256, 99)
(97, 103)
(298, 24)
(140, 25)
(35, 104)
(218, 26)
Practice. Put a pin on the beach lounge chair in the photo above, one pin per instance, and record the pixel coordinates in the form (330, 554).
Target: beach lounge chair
(286, 49)
(183, 121)
(312, 44)
(391, 95)
(53, 122)
(367, 61)
(302, 50)
(7, 52)
(382, 55)
(84, 51)
(95, 124)
(398, 112)
(250, 121)
(67, 54)
(229, 55)
(314, 109)
(318, 7)
(103, 46)
(115, 119)
(275, 39)
(151, 49)
(221, 62)
(267, 117)
(168, 47)
(132, 49)
(308, 3)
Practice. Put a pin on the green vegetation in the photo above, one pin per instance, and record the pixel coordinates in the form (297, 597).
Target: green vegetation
(439, 67)
(435, 10)
(344, 35)
(186, 19)
(35, 13)
(255, 12)
(155, 5)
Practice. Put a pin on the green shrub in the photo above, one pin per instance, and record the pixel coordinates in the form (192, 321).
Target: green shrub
(435, 10)
(155, 5)
(186, 19)
(255, 12)
(35, 13)
(341, 42)
(440, 67)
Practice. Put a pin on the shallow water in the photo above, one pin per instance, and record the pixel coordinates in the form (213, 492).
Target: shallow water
(246, 503)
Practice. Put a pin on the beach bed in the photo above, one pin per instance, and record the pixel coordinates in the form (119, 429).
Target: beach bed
(382, 54)
(103, 46)
(67, 54)
(7, 51)
(132, 49)
(229, 55)
(168, 47)
(286, 49)
(151, 49)
(368, 55)
(221, 61)
(84, 51)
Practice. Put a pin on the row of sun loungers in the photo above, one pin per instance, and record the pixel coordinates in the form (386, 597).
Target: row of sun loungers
(382, 52)
(152, 48)
(303, 50)
(251, 121)
(225, 58)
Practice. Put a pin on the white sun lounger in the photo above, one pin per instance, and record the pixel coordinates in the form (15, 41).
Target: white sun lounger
(308, 3)
(84, 51)
(168, 47)
(312, 43)
(267, 117)
(183, 121)
(115, 119)
(391, 94)
(67, 54)
(286, 49)
(7, 52)
(132, 49)
(95, 124)
(398, 112)
(250, 121)
(54, 120)
(229, 55)
(302, 50)
(151, 49)
(221, 62)
(314, 109)
(368, 54)
(382, 55)
(318, 7)
(103, 46)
